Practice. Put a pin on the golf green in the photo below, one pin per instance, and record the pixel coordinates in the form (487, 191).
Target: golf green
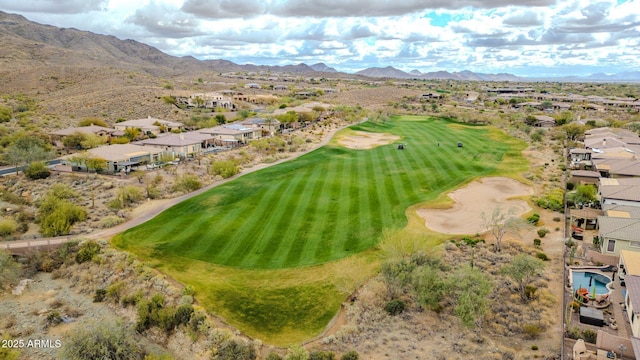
(327, 204)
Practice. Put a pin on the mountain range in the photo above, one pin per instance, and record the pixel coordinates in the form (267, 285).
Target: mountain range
(28, 44)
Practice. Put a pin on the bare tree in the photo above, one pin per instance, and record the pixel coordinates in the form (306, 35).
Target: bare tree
(500, 223)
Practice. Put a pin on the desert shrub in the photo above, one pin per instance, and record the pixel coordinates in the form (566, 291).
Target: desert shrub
(350, 355)
(589, 336)
(183, 314)
(189, 290)
(395, 307)
(9, 269)
(87, 251)
(188, 183)
(99, 295)
(102, 341)
(297, 353)
(557, 219)
(273, 356)
(537, 243)
(54, 318)
(530, 291)
(6, 114)
(322, 355)
(198, 319)
(37, 170)
(130, 194)
(533, 331)
(233, 349)
(114, 290)
(534, 347)
(552, 200)
(57, 214)
(7, 226)
(132, 299)
(570, 186)
(110, 221)
(542, 256)
(542, 232)
(533, 219)
(225, 168)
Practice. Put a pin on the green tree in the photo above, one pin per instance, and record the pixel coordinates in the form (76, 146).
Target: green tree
(37, 170)
(56, 213)
(573, 131)
(221, 119)
(96, 164)
(102, 340)
(244, 113)
(522, 269)
(92, 141)
(297, 352)
(471, 290)
(26, 150)
(564, 117)
(583, 194)
(73, 141)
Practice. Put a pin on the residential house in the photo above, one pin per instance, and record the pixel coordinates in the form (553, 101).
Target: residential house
(102, 132)
(182, 145)
(580, 158)
(210, 100)
(268, 125)
(583, 177)
(233, 134)
(150, 125)
(622, 191)
(621, 211)
(118, 156)
(544, 121)
(617, 168)
(616, 234)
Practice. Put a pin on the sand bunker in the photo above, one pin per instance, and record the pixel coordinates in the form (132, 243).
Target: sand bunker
(366, 140)
(483, 195)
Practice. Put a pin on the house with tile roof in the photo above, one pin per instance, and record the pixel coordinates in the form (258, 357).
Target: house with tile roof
(118, 157)
(182, 145)
(150, 125)
(616, 234)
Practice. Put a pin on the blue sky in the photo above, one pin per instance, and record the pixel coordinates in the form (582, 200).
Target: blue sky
(525, 37)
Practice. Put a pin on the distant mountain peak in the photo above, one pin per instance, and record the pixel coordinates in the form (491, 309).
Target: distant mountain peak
(322, 67)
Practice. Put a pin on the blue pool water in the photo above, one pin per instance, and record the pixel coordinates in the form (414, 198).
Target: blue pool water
(581, 280)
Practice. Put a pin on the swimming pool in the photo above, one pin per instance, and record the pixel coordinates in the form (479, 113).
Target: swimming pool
(588, 279)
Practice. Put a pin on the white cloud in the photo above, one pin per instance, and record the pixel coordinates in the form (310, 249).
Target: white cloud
(479, 35)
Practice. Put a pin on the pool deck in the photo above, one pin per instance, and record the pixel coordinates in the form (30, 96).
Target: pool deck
(615, 308)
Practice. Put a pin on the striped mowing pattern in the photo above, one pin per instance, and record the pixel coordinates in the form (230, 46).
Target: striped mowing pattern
(323, 206)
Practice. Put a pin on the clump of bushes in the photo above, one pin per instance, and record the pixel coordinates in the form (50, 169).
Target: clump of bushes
(225, 169)
(543, 232)
(542, 256)
(37, 170)
(395, 307)
(533, 219)
(350, 355)
(87, 251)
(153, 312)
(552, 200)
(188, 183)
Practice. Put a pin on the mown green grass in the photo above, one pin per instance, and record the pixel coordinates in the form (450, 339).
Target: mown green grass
(297, 219)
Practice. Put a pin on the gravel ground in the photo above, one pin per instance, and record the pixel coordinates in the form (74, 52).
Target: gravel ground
(24, 316)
